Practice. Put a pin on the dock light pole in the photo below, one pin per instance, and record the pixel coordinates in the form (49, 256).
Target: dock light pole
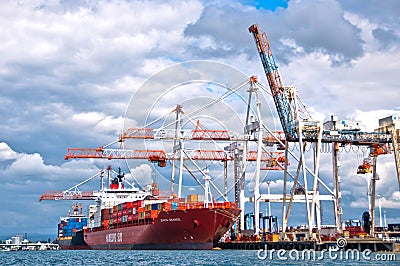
(380, 211)
(384, 218)
(269, 199)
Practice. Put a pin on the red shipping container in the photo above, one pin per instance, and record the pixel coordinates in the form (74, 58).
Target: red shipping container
(227, 204)
(119, 220)
(106, 222)
(129, 205)
(151, 214)
(167, 206)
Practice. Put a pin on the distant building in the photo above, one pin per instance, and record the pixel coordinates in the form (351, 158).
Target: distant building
(386, 123)
(335, 124)
(16, 240)
(390, 120)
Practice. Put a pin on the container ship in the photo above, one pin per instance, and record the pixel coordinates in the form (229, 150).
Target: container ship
(129, 218)
(70, 229)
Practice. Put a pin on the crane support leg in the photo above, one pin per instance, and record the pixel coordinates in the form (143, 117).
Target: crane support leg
(336, 179)
(373, 189)
(396, 150)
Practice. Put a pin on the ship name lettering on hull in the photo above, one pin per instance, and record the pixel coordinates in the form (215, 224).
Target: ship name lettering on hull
(114, 237)
(171, 220)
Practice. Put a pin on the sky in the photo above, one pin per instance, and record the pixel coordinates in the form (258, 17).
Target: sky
(69, 70)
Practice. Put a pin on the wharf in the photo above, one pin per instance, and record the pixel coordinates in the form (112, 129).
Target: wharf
(29, 246)
(360, 244)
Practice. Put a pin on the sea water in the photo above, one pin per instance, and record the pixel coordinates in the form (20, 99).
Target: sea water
(168, 257)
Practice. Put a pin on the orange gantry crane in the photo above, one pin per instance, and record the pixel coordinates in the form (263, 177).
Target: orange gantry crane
(160, 156)
(74, 193)
(272, 160)
(63, 195)
(199, 133)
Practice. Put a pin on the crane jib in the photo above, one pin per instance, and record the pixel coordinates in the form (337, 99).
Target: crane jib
(282, 102)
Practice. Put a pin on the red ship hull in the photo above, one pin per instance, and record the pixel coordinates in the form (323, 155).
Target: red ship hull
(176, 229)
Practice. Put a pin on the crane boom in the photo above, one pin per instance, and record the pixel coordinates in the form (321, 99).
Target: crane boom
(102, 153)
(199, 133)
(160, 155)
(66, 195)
(279, 93)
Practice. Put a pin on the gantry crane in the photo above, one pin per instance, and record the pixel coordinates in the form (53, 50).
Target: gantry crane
(74, 192)
(298, 126)
(269, 160)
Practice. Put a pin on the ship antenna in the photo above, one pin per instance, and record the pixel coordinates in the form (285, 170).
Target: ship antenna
(120, 176)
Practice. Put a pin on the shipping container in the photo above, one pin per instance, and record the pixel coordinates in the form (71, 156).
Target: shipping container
(394, 227)
(227, 204)
(166, 206)
(151, 214)
(192, 198)
(200, 198)
(106, 223)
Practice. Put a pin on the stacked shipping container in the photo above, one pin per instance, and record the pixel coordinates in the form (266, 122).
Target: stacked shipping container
(70, 225)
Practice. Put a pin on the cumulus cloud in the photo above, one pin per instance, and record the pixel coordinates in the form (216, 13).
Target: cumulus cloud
(26, 176)
(142, 175)
(6, 153)
(25, 166)
(391, 202)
